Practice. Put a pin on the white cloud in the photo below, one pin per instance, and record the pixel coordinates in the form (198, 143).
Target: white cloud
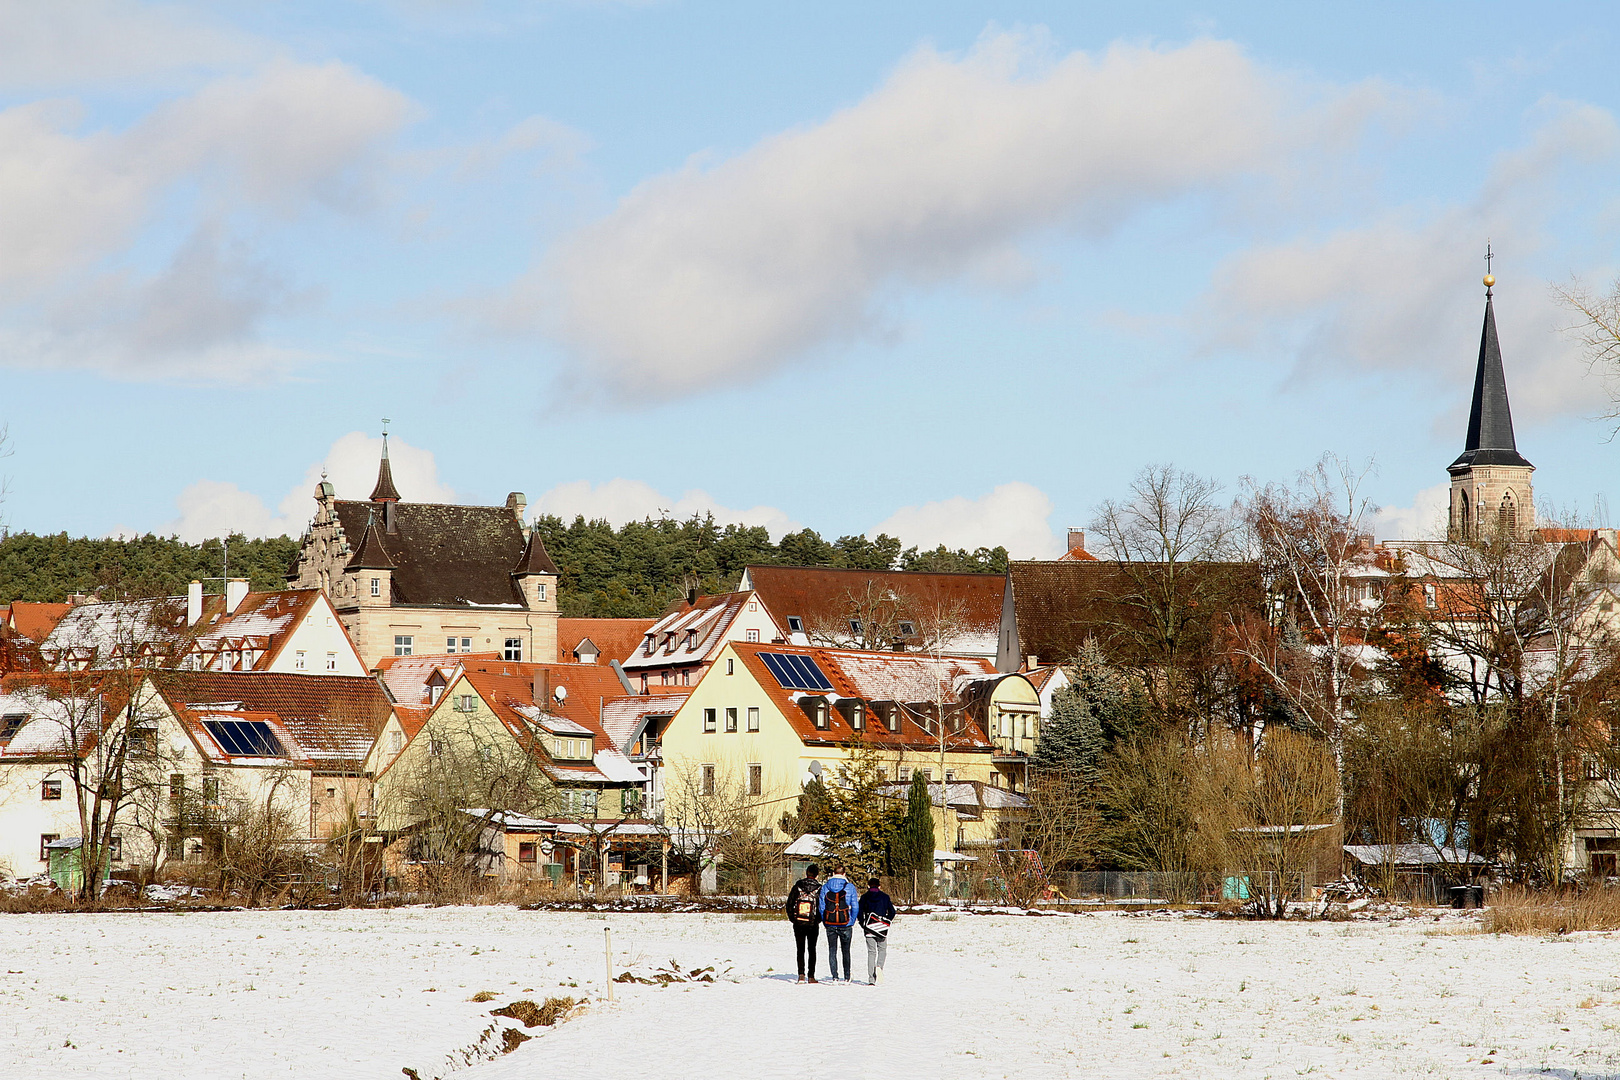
(210, 508)
(1403, 292)
(290, 137)
(727, 271)
(71, 42)
(619, 501)
(1015, 515)
(1425, 519)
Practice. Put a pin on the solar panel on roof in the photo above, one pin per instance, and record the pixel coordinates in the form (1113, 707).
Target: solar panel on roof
(795, 671)
(245, 738)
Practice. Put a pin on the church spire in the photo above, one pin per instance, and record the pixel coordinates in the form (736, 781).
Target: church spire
(1490, 420)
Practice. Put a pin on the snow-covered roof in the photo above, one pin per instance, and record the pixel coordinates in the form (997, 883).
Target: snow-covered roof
(1411, 855)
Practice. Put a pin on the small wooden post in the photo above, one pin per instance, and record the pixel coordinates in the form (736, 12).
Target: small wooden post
(663, 868)
(608, 930)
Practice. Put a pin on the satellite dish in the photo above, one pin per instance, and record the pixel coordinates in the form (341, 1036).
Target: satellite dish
(815, 768)
(561, 693)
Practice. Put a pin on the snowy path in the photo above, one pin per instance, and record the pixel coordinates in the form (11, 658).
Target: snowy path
(363, 993)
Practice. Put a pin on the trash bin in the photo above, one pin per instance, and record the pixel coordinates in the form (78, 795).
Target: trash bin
(1467, 896)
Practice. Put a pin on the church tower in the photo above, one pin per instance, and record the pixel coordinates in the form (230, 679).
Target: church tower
(1490, 482)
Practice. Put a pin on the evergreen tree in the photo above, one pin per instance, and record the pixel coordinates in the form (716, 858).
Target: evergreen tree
(863, 821)
(814, 814)
(913, 847)
(1100, 707)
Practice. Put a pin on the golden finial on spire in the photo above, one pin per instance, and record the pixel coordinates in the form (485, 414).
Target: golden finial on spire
(1489, 255)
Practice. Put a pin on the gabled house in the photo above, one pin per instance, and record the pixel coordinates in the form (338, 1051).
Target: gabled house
(636, 726)
(289, 630)
(412, 578)
(952, 614)
(678, 648)
(766, 719)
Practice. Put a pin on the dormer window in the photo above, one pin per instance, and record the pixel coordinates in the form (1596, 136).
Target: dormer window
(647, 646)
(907, 629)
(855, 626)
(691, 639)
(795, 625)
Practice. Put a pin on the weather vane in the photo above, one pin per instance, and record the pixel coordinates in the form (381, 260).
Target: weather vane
(387, 421)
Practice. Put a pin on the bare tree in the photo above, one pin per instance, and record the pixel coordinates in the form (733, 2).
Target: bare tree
(712, 822)
(1174, 541)
(1597, 328)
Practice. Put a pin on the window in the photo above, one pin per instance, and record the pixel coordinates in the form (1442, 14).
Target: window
(795, 625)
(450, 646)
(210, 790)
(527, 851)
(995, 779)
(464, 702)
(686, 676)
(905, 774)
(540, 592)
(331, 661)
(707, 781)
(907, 629)
(928, 775)
(731, 666)
(883, 775)
(756, 779)
(643, 682)
(857, 715)
(331, 793)
(751, 635)
(50, 789)
(177, 785)
(513, 650)
(950, 776)
(402, 644)
(396, 741)
(376, 586)
(47, 838)
(819, 713)
(298, 660)
(753, 605)
(115, 848)
(855, 626)
(708, 720)
(767, 835)
(1430, 601)
(10, 724)
(891, 717)
(731, 720)
(753, 719)
(647, 646)
(666, 678)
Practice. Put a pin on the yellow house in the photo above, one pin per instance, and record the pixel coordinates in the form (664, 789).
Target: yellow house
(766, 719)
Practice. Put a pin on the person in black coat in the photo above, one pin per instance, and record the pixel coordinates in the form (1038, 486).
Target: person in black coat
(804, 912)
(877, 913)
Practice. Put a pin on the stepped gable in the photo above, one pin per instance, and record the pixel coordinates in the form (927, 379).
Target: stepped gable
(446, 556)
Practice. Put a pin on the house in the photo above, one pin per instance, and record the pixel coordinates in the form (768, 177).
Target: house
(766, 719)
(289, 630)
(191, 749)
(635, 725)
(599, 641)
(426, 578)
(677, 649)
(950, 614)
(531, 720)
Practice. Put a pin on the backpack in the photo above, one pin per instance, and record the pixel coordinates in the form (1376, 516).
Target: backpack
(836, 910)
(804, 904)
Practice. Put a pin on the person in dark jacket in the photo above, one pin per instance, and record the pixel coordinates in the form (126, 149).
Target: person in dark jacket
(804, 912)
(877, 913)
(840, 905)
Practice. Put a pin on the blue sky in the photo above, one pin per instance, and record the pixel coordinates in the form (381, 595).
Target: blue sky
(956, 271)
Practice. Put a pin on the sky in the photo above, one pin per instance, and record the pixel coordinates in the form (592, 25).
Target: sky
(952, 271)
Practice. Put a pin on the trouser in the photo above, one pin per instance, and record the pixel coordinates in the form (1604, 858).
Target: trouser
(838, 937)
(804, 941)
(877, 951)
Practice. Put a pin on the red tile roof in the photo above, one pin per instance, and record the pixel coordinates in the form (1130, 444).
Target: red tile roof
(34, 621)
(874, 676)
(615, 638)
(824, 597)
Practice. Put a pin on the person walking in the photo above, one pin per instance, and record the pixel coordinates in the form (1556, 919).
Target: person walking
(876, 916)
(804, 912)
(840, 904)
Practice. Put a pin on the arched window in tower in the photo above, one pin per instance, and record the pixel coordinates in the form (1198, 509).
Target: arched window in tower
(1507, 516)
(1463, 529)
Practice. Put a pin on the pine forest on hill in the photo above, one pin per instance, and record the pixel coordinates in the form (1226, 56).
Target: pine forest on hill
(635, 570)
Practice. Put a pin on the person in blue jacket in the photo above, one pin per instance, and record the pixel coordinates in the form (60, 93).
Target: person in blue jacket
(840, 906)
(876, 914)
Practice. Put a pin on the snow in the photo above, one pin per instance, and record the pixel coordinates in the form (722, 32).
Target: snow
(366, 993)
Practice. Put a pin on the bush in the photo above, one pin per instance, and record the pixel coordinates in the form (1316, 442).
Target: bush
(1542, 911)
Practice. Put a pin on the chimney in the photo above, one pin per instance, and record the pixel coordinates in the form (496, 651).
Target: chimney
(1077, 540)
(1365, 542)
(1033, 662)
(516, 503)
(193, 603)
(236, 591)
(542, 687)
(691, 596)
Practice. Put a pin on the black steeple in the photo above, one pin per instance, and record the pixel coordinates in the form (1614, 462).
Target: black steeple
(1490, 421)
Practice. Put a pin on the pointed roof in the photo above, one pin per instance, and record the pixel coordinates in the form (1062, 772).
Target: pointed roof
(535, 559)
(370, 554)
(385, 489)
(1490, 421)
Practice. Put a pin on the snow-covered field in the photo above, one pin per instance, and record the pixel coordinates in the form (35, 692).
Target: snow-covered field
(358, 994)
